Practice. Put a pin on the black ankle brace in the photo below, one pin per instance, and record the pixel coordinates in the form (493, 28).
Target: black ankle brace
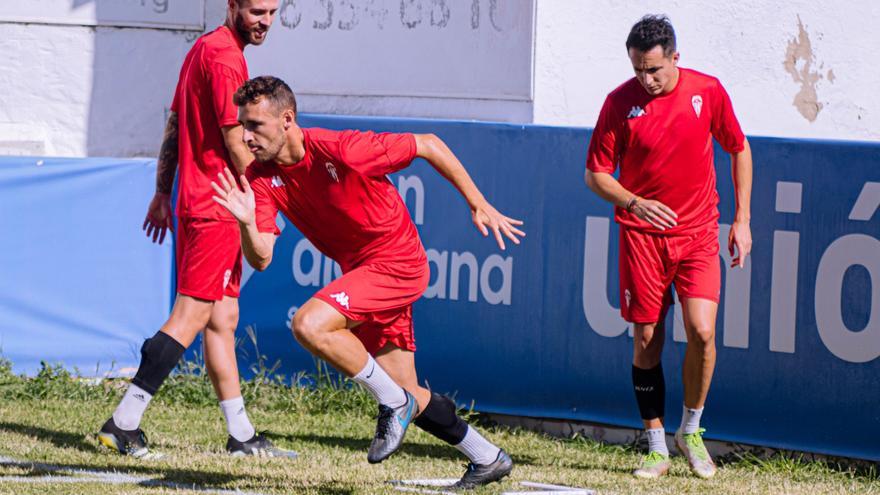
(439, 419)
(159, 355)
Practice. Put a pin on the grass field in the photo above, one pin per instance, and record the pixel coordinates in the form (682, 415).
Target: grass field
(50, 421)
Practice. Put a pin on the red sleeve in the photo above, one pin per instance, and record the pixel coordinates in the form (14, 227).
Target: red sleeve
(375, 155)
(175, 103)
(725, 126)
(225, 81)
(602, 155)
(266, 209)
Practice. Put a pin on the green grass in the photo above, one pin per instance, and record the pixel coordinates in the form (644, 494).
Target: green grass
(52, 419)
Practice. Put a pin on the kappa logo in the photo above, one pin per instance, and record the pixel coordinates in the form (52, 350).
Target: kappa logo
(331, 169)
(140, 397)
(636, 111)
(627, 296)
(277, 182)
(226, 276)
(697, 102)
(341, 298)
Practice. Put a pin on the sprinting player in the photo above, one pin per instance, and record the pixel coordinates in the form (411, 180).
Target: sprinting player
(332, 185)
(657, 128)
(204, 137)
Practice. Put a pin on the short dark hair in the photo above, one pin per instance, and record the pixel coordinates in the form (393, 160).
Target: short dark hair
(650, 31)
(273, 89)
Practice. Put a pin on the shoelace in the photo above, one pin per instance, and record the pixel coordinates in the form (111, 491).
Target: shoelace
(384, 421)
(695, 442)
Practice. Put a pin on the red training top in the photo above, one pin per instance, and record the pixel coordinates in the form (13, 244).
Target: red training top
(213, 70)
(663, 146)
(339, 197)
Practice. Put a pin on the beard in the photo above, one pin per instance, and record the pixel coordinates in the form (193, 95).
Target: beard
(269, 152)
(248, 36)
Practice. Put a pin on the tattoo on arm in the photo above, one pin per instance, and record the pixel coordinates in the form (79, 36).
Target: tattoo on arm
(167, 164)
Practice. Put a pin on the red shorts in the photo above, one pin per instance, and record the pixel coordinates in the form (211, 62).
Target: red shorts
(381, 296)
(208, 258)
(650, 263)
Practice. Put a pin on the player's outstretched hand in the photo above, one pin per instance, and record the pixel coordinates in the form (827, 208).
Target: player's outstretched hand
(740, 238)
(239, 202)
(487, 218)
(655, 213)
(159, 221)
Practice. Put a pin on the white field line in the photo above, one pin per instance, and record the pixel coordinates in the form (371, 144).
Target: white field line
(552, 488)
(97, 476)
(420, 486)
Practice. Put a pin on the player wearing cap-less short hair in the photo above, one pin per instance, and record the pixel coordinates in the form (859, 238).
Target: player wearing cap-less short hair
(333, 186)
(204, 137)
(657, 129)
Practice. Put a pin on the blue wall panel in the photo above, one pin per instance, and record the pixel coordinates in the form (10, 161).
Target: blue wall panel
(79, 281)
(534, 330)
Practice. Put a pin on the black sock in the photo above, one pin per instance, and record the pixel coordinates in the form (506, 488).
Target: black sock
(439, 419)
(159, 355)
(650, 388)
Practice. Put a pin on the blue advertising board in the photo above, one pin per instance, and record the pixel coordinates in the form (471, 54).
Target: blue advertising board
(79, 282)
(533, 330)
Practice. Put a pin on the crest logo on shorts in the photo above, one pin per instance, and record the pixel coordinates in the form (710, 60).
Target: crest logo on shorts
(341, 298)
(331, 169)
(627, 296)
(697, 102)
(226, 276)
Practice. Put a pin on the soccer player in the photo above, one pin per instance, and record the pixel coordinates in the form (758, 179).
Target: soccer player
(333, 186)
(204, 137)
(657, 128)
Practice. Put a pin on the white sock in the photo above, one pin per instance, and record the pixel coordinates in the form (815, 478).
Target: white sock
(657, 441)
(380, 385)
(477, 448)
(690, 420)
(237, 423)
(130, 410)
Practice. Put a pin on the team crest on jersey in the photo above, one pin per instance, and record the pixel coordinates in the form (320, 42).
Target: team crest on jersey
(341, 298)
(636, 111)
(697, 102)
(277, 182)
(331, 169)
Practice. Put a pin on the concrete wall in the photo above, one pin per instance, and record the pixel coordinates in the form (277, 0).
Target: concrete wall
(86, 91)
(793, 69)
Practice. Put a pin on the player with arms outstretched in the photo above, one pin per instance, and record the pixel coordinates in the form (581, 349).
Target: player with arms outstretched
(332, 185)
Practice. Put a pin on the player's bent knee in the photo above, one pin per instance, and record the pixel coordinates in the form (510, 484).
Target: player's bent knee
(307, 330)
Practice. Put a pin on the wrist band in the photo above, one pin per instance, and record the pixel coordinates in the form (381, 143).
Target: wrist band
(632, 203)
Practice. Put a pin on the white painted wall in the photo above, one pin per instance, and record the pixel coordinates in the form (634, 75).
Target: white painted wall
(86, 91)
(580, 57)
(462, 59)
(92, 91)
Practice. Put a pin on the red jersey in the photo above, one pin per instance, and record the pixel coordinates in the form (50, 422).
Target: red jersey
(213, 70)
(339, 197)
(663, 146)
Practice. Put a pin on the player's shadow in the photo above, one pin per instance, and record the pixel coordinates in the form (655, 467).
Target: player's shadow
(363, 444)
(159, 474)
(61, 439)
